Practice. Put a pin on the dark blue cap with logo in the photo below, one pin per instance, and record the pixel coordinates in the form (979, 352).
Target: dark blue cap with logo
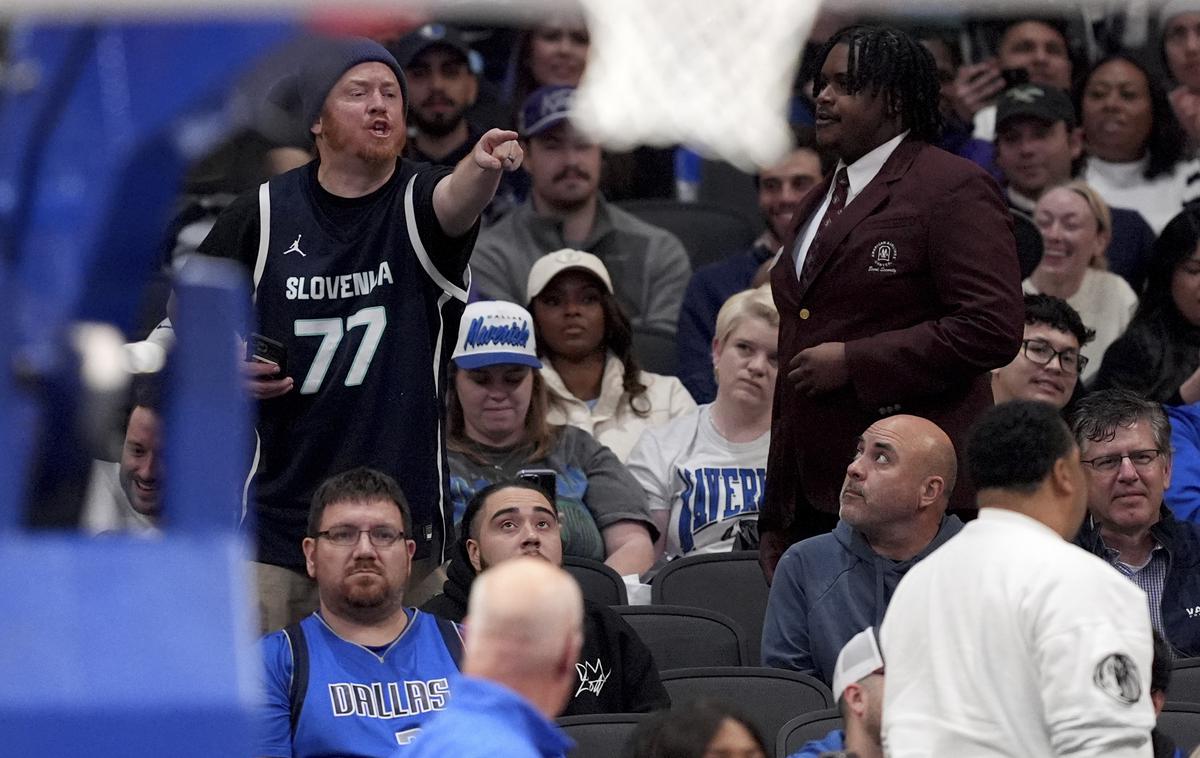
(544, 109)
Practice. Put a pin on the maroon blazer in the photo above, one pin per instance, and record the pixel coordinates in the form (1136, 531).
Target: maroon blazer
(919, 277)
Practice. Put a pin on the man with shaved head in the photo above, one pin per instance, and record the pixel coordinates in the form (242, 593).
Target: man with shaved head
(893, 513)
(524, 631)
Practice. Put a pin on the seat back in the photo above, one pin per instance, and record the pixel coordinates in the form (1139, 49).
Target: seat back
(1181, 722)
(599, 582)
(771, 697)
(709, 232)
(599, 735)
(806, 727)
(1185, 681)
(728, 583)
(681, 637)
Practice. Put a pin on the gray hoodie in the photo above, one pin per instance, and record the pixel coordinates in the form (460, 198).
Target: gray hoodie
(828, 589)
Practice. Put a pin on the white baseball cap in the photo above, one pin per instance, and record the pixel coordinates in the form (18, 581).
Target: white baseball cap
(551, 265)
(860, 657)
(493, 332)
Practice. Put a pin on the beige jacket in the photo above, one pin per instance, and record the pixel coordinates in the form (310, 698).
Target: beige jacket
(612, 421)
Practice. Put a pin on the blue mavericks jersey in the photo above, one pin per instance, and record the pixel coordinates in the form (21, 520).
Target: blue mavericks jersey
(358, 702)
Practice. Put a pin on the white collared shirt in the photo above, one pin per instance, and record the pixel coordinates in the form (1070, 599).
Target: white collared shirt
(860, 173)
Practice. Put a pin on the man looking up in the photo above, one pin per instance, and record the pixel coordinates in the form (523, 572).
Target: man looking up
(893, 515)
(898, 288)
(358, 264)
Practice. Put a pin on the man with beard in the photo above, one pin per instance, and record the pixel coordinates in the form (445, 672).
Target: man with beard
(616, 672)
(648, 265)
(893, 514)
(358, 263)
(442, 86)
(898, 288)
(780, 189)
(363, 673)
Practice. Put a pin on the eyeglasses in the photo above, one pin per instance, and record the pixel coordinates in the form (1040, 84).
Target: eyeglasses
(1139, 458)
(348, 536)
(1040, 352)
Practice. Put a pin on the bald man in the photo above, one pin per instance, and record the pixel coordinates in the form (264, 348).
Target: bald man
(893, 513)
(524, 628)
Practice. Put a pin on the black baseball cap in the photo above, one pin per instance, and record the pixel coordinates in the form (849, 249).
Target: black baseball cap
(1048, 104)
(408, 47)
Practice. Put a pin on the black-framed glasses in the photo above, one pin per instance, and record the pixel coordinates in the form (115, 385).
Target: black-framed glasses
(348, 536)
(1139, 458)
(1041, 353)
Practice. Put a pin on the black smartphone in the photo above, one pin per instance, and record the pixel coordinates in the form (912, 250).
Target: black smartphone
(1014, 77)
(266, 350)
(544, 479)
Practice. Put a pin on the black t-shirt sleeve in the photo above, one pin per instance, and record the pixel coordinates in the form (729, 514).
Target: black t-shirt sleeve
(235, 234)
(448, 254)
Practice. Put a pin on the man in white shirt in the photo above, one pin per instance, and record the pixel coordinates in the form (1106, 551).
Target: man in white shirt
(1009, 641)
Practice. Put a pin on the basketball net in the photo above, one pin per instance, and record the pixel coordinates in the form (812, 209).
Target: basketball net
(714, 75)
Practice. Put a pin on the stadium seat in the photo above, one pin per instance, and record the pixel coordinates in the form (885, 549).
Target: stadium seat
(656, 353)
(681, 637)
(599, 735)
(728, 583)
(771, 697)
(708, 232)
(1185, 681)
(806, 727)
(1181, 722)
(599, 582)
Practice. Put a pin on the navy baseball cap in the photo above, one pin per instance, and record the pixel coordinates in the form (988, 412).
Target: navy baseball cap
(1048, 104)
(544, 109)
(408, 47)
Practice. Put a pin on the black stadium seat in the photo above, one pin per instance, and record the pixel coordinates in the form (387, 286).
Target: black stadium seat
(599, 582)
(728, 583)
(681, 637)
(1181, 722)
(709, 232)
(806, 727)
(599, 735)
(1185, 681)
(771, 697)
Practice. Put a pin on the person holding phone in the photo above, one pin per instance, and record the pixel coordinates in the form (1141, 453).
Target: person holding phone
(497, 427)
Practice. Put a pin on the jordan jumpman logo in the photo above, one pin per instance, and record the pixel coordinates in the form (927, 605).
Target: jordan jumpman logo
(295, 248)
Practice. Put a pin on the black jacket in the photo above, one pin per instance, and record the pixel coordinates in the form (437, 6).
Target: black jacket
(1153, 358)
(616, 670)
(1181, 589)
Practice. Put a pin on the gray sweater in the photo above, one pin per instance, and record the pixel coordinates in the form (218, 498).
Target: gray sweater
(826, 590)
(648, 265)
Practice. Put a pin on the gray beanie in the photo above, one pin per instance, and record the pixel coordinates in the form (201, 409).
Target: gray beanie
(329, 60)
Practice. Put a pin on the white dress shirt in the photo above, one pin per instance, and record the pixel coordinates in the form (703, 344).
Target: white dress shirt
(860, 173)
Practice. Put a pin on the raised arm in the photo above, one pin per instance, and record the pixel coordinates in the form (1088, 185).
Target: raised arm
(459, 198)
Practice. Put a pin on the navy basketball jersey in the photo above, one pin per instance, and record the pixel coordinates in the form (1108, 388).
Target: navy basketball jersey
(359, 701)
(366, 294)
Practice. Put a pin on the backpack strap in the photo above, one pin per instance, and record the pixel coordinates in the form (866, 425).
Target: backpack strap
(452, 637)
(295, 637)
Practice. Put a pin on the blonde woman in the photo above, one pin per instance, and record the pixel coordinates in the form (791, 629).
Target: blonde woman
(1076, 227)
(704, 473)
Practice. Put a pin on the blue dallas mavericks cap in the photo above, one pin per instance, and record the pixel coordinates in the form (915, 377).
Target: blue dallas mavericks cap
(494, 332)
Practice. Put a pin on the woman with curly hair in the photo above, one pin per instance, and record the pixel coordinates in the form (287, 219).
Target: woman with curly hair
(586, 343)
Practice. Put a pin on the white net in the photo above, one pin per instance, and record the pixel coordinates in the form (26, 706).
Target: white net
(715, 75)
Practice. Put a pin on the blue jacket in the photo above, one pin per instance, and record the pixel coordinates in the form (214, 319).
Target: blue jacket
(826, 590)
(1181, 590)
(1184, 493)
(834, 741)
(487, 719)
(707, 291)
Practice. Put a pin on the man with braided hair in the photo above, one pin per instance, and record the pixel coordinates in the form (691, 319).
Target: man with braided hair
(898, 288)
